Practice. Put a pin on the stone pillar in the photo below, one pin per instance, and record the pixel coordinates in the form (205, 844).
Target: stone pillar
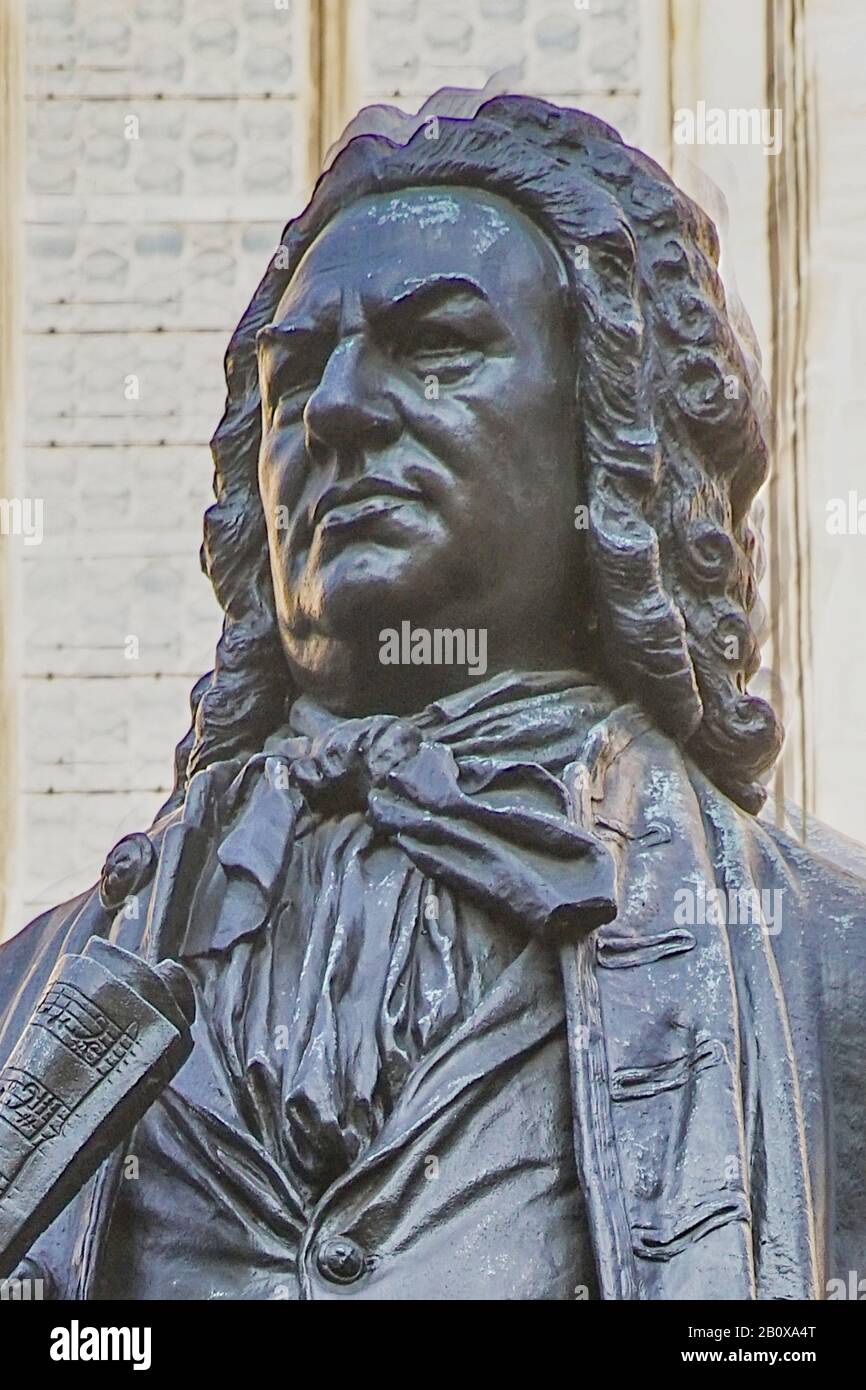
(11, 167)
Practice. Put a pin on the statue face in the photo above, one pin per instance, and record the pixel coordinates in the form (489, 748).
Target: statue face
(418, 454)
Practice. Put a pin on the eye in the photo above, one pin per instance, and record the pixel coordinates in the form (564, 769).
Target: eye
(439, 337)
(290, 387)
(441, 348)
(292, 399)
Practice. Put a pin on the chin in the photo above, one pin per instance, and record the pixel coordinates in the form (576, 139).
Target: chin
(365, 588)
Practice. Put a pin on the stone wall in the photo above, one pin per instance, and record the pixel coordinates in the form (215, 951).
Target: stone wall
(165, 149)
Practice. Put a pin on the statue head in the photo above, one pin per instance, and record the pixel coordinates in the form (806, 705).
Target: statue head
(418, 444)
(489, 380)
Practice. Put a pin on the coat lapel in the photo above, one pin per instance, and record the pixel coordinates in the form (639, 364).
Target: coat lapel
(669, 1164)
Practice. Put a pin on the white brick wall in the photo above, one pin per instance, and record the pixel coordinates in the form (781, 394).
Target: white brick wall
(608, 57)
(140, 255)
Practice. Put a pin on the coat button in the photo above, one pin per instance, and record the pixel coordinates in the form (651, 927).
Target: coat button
(341, 1260)
(128, 868)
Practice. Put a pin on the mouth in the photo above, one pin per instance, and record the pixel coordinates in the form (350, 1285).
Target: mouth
(350, 503)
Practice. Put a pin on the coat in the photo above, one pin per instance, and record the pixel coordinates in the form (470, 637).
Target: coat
(667, 1105)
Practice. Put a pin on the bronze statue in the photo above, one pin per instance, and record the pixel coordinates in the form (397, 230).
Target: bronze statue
(502, 990)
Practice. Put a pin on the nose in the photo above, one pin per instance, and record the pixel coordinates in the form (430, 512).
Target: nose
(348, 409)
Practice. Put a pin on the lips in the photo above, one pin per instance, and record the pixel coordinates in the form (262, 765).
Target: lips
(365, 497)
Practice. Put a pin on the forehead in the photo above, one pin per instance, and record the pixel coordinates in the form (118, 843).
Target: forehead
(386, 245)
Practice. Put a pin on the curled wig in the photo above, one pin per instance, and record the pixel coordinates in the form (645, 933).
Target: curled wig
(671, 442)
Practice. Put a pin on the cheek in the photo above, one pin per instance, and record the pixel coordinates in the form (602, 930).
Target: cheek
(425, 408)
(544, 413)
(282, 468)
(463, 423)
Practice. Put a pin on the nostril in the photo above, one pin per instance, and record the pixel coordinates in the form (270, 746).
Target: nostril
(386, 426)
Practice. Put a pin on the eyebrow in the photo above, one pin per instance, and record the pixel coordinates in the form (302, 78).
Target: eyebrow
(425, 296)
(277, 333)
(429, 293)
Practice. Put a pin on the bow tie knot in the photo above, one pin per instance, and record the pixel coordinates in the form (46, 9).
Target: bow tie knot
(346, 764)
(479, 801)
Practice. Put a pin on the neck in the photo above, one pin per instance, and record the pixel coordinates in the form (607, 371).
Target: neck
(409, 667)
